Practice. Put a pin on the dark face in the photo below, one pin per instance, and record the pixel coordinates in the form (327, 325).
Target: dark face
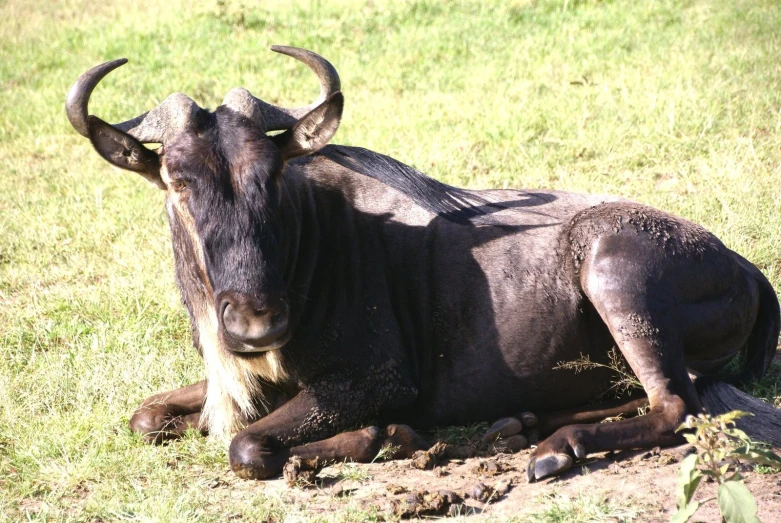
(223, 183)
(222, 175)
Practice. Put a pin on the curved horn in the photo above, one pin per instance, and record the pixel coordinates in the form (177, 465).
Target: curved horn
(155, 126)
(326, 73)
(273, 118)
(78, 97)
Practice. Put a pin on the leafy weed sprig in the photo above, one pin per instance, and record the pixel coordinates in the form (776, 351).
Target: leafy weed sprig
(720, 447)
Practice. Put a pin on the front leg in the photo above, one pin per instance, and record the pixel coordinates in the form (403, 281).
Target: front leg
(316, 413)
(261, 449)
(168, 415)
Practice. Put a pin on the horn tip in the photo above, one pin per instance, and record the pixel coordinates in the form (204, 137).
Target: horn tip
(107, 67)
(286, 49)
(113, 64)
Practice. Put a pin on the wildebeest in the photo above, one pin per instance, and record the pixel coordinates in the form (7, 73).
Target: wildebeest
(329, 286)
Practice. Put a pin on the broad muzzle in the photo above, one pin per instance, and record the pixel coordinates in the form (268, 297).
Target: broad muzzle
(256, 324)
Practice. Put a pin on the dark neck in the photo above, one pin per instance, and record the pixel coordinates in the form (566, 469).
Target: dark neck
(318, 224)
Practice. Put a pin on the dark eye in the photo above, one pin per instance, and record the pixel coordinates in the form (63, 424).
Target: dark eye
(178, 185)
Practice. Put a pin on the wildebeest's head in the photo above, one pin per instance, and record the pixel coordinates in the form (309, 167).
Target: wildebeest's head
(222, 176)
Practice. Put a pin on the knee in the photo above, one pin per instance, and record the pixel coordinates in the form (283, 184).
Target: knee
(673, 412)
(571, 438)
(254, 456)
(148, 423)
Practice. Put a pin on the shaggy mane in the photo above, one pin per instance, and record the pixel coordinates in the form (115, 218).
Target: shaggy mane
(452, 203)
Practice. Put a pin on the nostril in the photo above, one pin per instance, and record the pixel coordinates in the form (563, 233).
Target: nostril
(231, 317)
(224, 305)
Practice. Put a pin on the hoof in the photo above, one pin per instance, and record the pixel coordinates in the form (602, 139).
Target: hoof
(528, 419)
(405, 441)
(512, 444)
(540, 468)
(504, 428)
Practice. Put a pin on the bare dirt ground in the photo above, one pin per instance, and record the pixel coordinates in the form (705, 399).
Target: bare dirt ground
(639, 486)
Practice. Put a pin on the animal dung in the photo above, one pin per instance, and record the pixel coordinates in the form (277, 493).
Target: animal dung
(424, 503)
(489, 468)
(301, 472)
(428, 459)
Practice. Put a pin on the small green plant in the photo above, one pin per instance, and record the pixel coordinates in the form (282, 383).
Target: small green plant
(721, 446)
(624, 381)
(352, 471)
(386, 452)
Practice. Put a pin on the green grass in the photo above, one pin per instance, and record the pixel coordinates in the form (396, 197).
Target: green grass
(466, 435)
(583, 508)
(351, 472)
(675, 104)
(769, 386)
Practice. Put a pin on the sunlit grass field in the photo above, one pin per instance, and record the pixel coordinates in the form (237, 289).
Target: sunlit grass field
(674, 104)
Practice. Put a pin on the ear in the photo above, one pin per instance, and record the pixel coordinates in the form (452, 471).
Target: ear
(313, 131)
(124, 151)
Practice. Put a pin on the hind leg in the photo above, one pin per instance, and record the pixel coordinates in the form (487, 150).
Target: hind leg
(549, 422)
(645, 331)
(671, 397)
(667, 290)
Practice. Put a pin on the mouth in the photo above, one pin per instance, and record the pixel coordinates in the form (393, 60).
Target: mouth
(253, 347)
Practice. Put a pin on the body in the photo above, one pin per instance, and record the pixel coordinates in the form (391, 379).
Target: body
(488, 349)
(328, 286)
(466, 349)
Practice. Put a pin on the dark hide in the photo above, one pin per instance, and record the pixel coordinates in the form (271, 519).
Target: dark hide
(410, 301)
